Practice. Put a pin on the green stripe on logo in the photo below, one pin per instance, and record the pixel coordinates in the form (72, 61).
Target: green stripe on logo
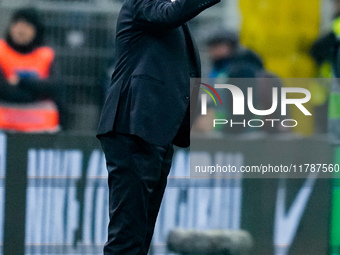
(210, 95)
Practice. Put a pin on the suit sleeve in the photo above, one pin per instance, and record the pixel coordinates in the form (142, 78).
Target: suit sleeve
(160, 14)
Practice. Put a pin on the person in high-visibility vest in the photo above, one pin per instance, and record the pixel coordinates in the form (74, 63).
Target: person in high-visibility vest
(30, 93)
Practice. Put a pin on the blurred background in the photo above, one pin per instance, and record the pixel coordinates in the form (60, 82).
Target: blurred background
(82, 34)
(53, 193)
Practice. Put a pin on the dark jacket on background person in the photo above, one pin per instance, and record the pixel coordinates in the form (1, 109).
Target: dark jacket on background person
(324, 48)
(155, 58)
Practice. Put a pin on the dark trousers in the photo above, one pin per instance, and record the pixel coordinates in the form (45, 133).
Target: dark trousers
(137, 177)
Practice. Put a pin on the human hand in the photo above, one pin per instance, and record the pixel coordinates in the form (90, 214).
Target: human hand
(13, 80)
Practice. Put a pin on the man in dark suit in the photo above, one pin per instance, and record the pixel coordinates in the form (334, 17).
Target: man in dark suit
(146, 111)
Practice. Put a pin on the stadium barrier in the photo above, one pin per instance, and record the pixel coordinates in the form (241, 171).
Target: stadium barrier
(54, 200)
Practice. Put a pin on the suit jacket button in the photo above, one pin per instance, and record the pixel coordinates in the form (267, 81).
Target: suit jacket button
(192, 75)
(187, 97)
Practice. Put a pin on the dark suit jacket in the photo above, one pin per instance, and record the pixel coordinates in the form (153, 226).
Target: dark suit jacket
(155, 56)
